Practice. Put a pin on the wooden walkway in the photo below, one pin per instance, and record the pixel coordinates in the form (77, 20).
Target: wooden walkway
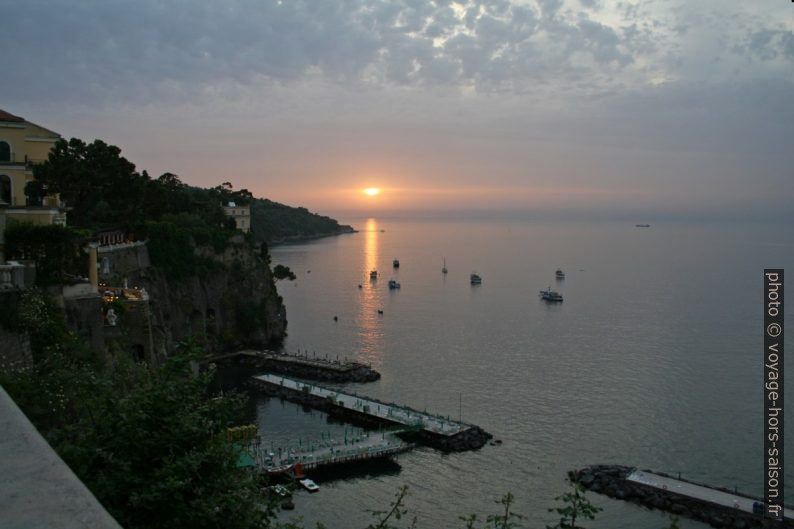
(700, 492)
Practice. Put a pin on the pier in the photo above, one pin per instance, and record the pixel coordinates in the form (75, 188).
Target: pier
(719, 507)
(434, 430)
(303, 366)
(361, 445)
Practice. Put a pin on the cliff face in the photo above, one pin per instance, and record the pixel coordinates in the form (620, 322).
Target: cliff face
(235, 307)
(232, 306)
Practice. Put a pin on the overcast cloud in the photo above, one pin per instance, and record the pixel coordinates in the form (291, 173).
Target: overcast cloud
(681, 95)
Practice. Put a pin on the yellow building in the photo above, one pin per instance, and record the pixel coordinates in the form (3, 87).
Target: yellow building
(240, 214)
(23, 144)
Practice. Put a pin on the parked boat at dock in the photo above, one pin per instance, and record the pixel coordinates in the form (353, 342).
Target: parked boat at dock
(309, 485)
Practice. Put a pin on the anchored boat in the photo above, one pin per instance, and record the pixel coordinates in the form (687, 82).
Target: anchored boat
(396, 263)
(393, 284)
(559, 274)
(550, 295)
(475, 279)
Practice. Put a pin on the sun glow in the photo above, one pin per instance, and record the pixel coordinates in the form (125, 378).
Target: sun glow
(372, 191)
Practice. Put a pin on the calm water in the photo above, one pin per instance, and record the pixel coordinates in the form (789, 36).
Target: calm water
(653, 359)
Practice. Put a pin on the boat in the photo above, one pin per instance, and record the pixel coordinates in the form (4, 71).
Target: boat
(309, 485)
(475, 279)
(550, 295)
(393, 284)
(444, 268)
(396, 263)
(642, 225)
(373, 274)
(559, 274)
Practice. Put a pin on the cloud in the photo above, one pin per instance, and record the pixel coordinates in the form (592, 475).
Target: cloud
(148, 50)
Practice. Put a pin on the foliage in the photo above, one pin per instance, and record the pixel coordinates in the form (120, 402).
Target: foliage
(147, 441)
(89, 174)
(575, 505)
(274, 222)
(38, 316)
(172, 246)
(673, 522)
(396, 511)
(283, 272)
(507, 519)
(56, 250)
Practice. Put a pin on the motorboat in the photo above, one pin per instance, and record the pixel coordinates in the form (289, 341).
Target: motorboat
(309, 485)
(396, 263)
(559, 274)
(373, 275)
(550, 295)
(475, 279)
(393, 284)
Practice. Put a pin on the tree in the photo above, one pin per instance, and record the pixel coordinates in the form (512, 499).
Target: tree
(283, 272)
(147, 441)
(85, 174)
(575, 505)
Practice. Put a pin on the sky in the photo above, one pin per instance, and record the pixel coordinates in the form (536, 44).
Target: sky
(652, 109)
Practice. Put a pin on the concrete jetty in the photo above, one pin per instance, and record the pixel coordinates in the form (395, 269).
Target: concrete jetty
(718, 507)
(434, 430)
(302, 366)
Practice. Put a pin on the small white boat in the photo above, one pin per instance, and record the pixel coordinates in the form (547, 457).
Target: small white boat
(393, 284)
(309, 485)
(475, 279)
(559, 274)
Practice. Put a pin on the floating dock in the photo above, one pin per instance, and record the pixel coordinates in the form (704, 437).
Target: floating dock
(716, 506)
(316, 453)
(434, 430)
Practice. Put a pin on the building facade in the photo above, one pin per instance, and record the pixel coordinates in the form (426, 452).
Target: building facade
(240, 214)
(23, 144)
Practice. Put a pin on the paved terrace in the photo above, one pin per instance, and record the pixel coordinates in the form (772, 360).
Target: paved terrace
(697, 491)
(357, 446)
(392, 412)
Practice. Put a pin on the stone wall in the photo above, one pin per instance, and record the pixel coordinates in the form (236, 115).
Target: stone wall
(119, 261)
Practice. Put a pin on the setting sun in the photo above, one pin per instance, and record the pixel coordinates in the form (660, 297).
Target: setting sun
(372, 191)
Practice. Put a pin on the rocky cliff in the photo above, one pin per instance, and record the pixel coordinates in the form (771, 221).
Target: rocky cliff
(233, 307)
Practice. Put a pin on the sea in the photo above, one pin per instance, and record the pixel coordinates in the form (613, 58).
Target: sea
(654, 359)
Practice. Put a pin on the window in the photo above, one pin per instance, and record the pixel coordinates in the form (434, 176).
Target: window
(5, 189)
(5, 152)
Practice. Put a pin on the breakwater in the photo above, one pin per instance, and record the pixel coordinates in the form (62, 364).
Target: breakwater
(299, 366)
(436, 431)
(716, 506)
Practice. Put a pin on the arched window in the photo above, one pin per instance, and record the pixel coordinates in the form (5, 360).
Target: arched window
(5, 152)
(5, 189)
